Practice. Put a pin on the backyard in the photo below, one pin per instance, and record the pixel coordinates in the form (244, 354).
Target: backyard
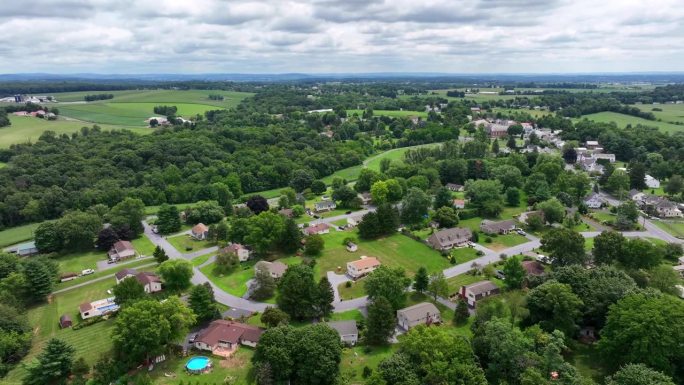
(17, 234)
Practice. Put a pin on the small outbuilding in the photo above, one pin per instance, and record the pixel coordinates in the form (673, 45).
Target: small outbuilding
(65, 321)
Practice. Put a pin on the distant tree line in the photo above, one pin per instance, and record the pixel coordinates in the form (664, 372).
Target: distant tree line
(215, 97)
(91, 98)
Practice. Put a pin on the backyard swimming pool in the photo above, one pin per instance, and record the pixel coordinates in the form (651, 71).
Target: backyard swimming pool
(198, 364)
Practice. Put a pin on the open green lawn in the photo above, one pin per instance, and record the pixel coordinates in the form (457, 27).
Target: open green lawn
(185, 243)
(201, 259)
(346, 316)
(478, 97)
(675, 228)
(238, 368)
(129, 264)
(231, 98)
(533, 112)
(394, 251)
(126, 114)
(76, 262)
(588, 244)
(28, 129)
(356, 290)
(18, 234)
(390, 113)
(602, 216)
(623, 120)
(143, 246)
(670, 113)
(464, 254)
(587, 361)
(501, 242)
(151, 210)
(234, 283)
(89, 342)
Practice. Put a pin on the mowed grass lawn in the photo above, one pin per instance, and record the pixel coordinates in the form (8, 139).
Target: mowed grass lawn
(238, 368)
(18, 234)
(234, 283)
(672, 227)
(501, 242)
(28, 129)
(128, 113)
(394, 251)
(669, 112)
(89, 342)
(185, 243)
(130, 264)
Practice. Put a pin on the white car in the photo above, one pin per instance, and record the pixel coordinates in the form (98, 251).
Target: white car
(87, 272)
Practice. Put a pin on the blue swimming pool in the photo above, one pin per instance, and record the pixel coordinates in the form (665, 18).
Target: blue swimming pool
(197, 364)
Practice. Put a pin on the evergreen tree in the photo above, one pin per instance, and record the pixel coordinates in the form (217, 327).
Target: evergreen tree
(202, 302)
(52, 366)
(160, 255)
(127, 291)
(495, 146)
(265, 285)
(325, 297)
(421, 280)
(39, 278)
(514, 272)
(168, 219)
(381, 321)
(461, 313)
(291, 237)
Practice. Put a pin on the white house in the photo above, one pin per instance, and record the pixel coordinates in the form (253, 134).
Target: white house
(424, 313)
(594, 201)
(98, 308)
(354, 221)
(478, 290)
(348, 331)
(363, 266)
(651, 182)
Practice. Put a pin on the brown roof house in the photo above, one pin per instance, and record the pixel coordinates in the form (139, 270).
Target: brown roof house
(533, 268)
(223, 337)
(276, 269)
(449, 238)
(424, 313)
(242, 252)
(500, 227)
(478, 290)
(363, 266)
(321, 228)
(366, 198)
(200, 231)
(150, 281)
(121, 250)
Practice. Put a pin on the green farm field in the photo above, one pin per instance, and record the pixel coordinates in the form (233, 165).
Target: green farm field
(29, 129)
(671, 113)
(623, 120)
(128, 113)
(231, 98)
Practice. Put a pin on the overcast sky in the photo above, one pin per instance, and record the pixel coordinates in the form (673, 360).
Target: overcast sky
(324, 36)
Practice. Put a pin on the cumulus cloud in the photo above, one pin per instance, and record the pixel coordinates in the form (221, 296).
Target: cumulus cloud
(167, 36)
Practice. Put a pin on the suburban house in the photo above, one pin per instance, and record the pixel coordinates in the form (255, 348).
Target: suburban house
(349, 333)
(123, 274)
(651, 182)
(459, 203)
(150, 281)
(591, 144)
(500, 227)
(352, 247)
(242, 252)
(354, 221)
(594, 201)
(478, 290)
(366, 198)
(121, 250)
(200, 231)
(454, 187)
(325, 206)
(223, 337)
(424, 313)
(524, 217)
(320, 228)
(98, 308)
(498, 128)
(275, 269)
(667, 209)
(362, 266)
(65, 321)
(637, 196)
(449, 238)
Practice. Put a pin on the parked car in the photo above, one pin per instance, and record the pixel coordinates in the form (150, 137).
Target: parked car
(87, 272)
(348, 212)
(521, 232)
(500, 274)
